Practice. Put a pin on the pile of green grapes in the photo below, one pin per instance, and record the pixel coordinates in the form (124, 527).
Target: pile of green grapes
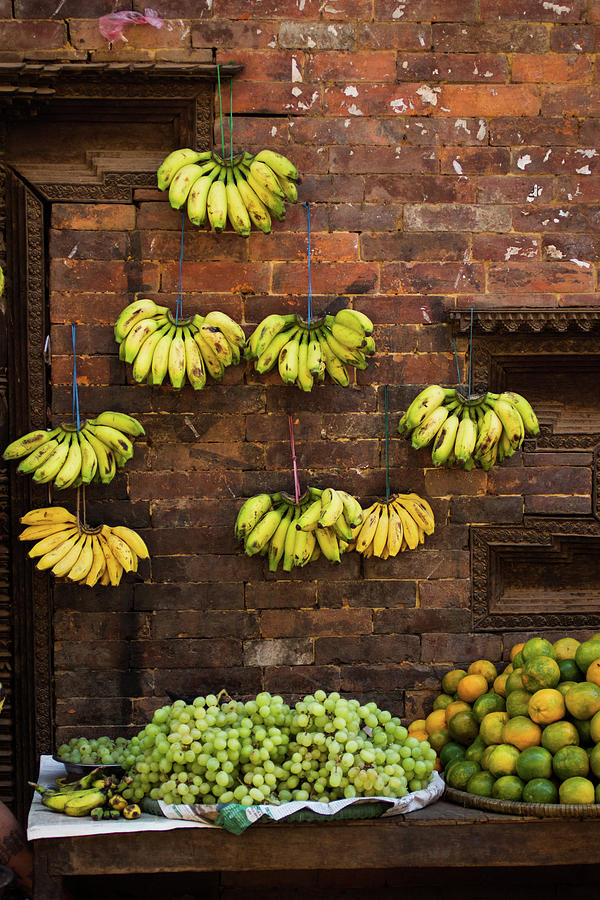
(101, 751)
(263, 751)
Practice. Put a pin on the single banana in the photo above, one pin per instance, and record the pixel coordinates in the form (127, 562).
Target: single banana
(26, 445)
(216, 204)
(525, 410)
(176, 362)
(264, 333)
(466, 438)
(365, 535)
(346, 336)
(301, 548)
(305, 378)
(342, 529)
(444, 442)
(418, 509)
(114, 569)
(182, 183)
(352, 509)
(309, 519)
(332, 507)
(315, 359)
(279, 164)
(194, 364)
(175, 161)
(277, 542)
(197, 197)
(115, 440)
(141, 330)
(213, 364)
(232, 331)
(423, 404)
(71, 467)
(251, 513)
(36, 532)
(395, 531)
(105, 469)
(380, 537)
(51, 541)
(98, 563)
(511, 420)
(289, 544)
(267, 360)
(134, 313)
(38, 457)
(410, 531)
(289, 189)
(289, 360)
(48, 515)
(120, 421)
(236, 208)
(80, 570)
(258, 212)
(429, 427)
(120, 549)
(490, 430)
(334, 367)
(357, 321)
(53, 464)
(132, 539)
(218, 342)
(160, 357)
(263, 531)
(328, 543)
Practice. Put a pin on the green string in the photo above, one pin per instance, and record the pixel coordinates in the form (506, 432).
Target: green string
(221, 112)
(387, 447)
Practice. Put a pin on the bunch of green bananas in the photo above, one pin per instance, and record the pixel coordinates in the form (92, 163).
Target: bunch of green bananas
(482, 430)
(158, 345)
(89, 795)
(248, 190)
(390, 528)
(273, 525)
(306, 351)
(79, 553)
(67, 457)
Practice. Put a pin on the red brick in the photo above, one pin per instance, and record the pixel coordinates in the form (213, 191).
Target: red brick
(224, 34)
(420, 564)
(401, 245)
(381, 100)
(272, 98)
(185, 9)
(281, 595)
(536, 131)
(392, 594)
(460, 648)
(481, 100)
(6, 9)
(316, 35)
(352, 650)
(552, 505)
(499, 189)
(532, 10)
(269, 65)
(571, 100)
(321, 132)
(575, 39)
(236, 277)
(420, 189)
(551, 69)
(198, 456)
(562, 277)
(198, 245)
(288, 9)
(359, 65)
(175, 33)
(88, 244)
(594, 11)
(318, 623)
(401, 159)
(102, 276)
(585, 189)
(365, 454)
(394, 36)
(505, 247)
(445, 594)
(365, 216)
(191, 623)
(474, 160)
(430, 131)
(284, 652)
(455, 481)
(542, 480)
(427, 10)
(338, 247)
(508, 301)
(346, 278)
(90, 370)
(583, 247)
(186, 596)
(461, 67)
(41, 9)
(484, 510)
(185, 653)
(294, 682)
(32, 35)
(421, 621)
(447, 277)
(459, 217)
(93, 216)
(563, 161)
(422, 366)
(497, 37)
(556, 218)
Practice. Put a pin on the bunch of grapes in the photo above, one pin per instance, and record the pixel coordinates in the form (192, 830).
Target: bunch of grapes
(94, 751)
(264, 751)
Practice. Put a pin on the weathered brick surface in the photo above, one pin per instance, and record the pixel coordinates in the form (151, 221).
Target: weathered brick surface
(448, 151)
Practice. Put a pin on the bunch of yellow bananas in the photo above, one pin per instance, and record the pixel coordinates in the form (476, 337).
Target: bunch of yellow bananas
(390, 528)
(481, 430)
(273, 525)
(304, 354)
(158, 345)
(95, 794)
(66, 457)
(78, 552)
(246, 190)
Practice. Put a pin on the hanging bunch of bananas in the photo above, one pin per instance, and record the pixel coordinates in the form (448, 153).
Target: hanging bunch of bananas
(94, 794)
(159, 346)
(246, 190)
(390, 528)
(78, 552)
(66, 457)
(273, 525)
(305, 352)
(481, 430)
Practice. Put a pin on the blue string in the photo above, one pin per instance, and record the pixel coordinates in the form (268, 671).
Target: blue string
(307, 208)
(75, 389)
(470, 351)
(179, 302)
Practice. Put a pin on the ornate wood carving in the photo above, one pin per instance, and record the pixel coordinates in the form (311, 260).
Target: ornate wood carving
(500, 553)
(583, 319)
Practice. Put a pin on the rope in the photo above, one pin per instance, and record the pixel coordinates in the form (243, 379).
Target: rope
(294, 462)
(76, 417)
(387, 447)
(179, 301)
(221, 112)
(470, 351)
(309, 299)
(231, 120)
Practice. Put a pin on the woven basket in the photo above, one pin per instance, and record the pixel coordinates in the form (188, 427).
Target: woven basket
(518, 808)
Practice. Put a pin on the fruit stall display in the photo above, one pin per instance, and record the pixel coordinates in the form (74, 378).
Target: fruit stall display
(530, 734)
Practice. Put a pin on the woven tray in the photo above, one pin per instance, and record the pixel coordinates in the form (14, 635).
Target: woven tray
(518, 808)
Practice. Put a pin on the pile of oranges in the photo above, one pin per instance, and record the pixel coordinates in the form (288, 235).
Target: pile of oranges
(531, 733)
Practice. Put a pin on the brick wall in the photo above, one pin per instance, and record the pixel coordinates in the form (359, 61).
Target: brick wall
(449, 151)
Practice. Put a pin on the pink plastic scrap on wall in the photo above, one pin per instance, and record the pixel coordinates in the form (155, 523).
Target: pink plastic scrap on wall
(111, 26)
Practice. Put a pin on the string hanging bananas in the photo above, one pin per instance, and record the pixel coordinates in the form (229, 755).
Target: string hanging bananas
(272, 525)
(481, 431)
(306, 355)
(162, 348)
(391, 528)
(65, 457)
(244, 191)
(81, 554)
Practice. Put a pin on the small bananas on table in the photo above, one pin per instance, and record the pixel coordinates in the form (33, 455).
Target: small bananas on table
(95, 794)
(273, 525)
(80, 553)
(246, 190)
(390, 528)
(66, 457)
(482, 430)
(305, 354)
(161, 347)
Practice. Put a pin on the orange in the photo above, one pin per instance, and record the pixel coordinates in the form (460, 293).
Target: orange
(417, 725)
(569, 762)
(559, 734)
(458, 774)
(510, 668)
(503, 760)
(540, 672)
(499, 686)
(475, 750)
(419, 735)
(439, 738)
(593, 672)
(454, 707)
(517, 703)
(488, 703)
(470, 687)
(521, 732)
(481, 784)
(435, 720)
(587, 652)
(584, 728)
(569, 670)
(516, 648)
(564, 686)
(491, 727)
(595, 728)
(508, 787)
(576, 790)
(546, 706)
(514, 682)
(540, 790)
(451, 679)
(485, 756)
(534, 762)
(537, 646)
(483, 667)
(565, 648)
(450, 752)
(583, 699)
(442, 701)
(463, 727)
(595, 760)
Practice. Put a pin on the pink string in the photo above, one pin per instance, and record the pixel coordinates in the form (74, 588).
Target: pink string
(294, 462)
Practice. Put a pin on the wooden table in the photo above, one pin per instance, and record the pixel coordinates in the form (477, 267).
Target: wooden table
(441, 835)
